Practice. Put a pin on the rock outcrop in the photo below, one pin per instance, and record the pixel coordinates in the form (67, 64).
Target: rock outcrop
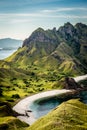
(62, 50)
(71, 84)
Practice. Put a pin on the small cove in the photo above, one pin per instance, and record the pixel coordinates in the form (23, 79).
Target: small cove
(41, 107)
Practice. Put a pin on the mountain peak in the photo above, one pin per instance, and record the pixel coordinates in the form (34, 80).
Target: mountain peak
(79, 25)
(53, 48)
(39, 29)
(41, 36)
(68, 24)
(68, 28)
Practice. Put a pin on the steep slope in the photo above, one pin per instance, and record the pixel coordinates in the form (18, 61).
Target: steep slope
(76, 38)
(83, 42)
(12, 123)
(7, 119)
(69, 33)
(69, 115)
(63, 48)
(37, 47)
(41, 64)
(44, 59)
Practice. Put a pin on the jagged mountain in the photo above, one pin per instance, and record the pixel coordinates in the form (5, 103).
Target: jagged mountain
(63, 49)
(44, 60)
(42, 63)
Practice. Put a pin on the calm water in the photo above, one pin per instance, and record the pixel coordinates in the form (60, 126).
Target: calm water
(42, 107)
(5, 53)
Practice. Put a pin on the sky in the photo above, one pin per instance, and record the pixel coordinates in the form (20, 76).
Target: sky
(19, 18)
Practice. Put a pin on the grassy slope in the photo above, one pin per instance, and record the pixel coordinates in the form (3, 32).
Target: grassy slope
(11, 123)
(30, 71)
(7, 121)
(42, 66)
(39, 57)
(69, 115)
(22, 74)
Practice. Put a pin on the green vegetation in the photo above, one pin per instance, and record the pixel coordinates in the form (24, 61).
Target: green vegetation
(7, 121)
(11, 123)
(42, 63)
(69, 115)
(45, 58)
(18, 83)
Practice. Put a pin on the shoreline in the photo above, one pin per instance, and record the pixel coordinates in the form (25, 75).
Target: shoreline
(79, 78)
(24, 105)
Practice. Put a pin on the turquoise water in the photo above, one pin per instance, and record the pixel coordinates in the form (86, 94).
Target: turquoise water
(42, 107)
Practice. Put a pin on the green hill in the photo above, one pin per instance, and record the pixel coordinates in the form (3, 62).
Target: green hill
(7, 119)
(53, 48)
(44, 59)
(42, 63)
(69, 115)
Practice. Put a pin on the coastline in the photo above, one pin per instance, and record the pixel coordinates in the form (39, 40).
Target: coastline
(24, 105)
(79, 78)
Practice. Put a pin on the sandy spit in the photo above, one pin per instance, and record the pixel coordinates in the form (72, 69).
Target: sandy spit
(79, 78)
(24, 104)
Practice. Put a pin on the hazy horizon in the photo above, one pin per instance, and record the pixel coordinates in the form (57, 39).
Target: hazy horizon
(18, 19)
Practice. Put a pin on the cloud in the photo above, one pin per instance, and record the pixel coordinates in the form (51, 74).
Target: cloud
(11, 15)
(29, 17)
(21, 16)
(58, 12)
(64, 9)
(69, 16)
(20, 21)
(66, 16)
(14, 18)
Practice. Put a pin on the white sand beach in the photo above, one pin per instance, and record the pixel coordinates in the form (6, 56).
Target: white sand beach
(24, 104)
(79, 78)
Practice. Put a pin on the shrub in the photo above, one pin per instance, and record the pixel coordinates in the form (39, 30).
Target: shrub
(15, 96)
(0, 91)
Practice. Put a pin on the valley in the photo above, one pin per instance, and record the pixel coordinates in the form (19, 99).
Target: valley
(44, 62)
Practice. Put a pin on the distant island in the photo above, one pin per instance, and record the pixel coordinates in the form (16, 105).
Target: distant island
(10, 43)
(8, 46)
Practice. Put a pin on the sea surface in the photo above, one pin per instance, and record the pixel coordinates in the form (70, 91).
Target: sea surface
(4, 53)
(42, 107)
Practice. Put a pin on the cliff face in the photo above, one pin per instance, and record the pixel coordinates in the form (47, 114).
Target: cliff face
(67, 30)
(74, 36)
(63, 49)
(39, 35)
(44, 59)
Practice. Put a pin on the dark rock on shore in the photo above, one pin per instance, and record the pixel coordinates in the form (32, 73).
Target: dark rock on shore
(70, 83)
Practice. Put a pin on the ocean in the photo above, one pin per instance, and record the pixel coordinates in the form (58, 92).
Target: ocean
(42, 107)
(4, 53)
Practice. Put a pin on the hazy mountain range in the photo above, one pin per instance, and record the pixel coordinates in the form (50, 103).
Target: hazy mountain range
(8, 46)
(8, 43)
